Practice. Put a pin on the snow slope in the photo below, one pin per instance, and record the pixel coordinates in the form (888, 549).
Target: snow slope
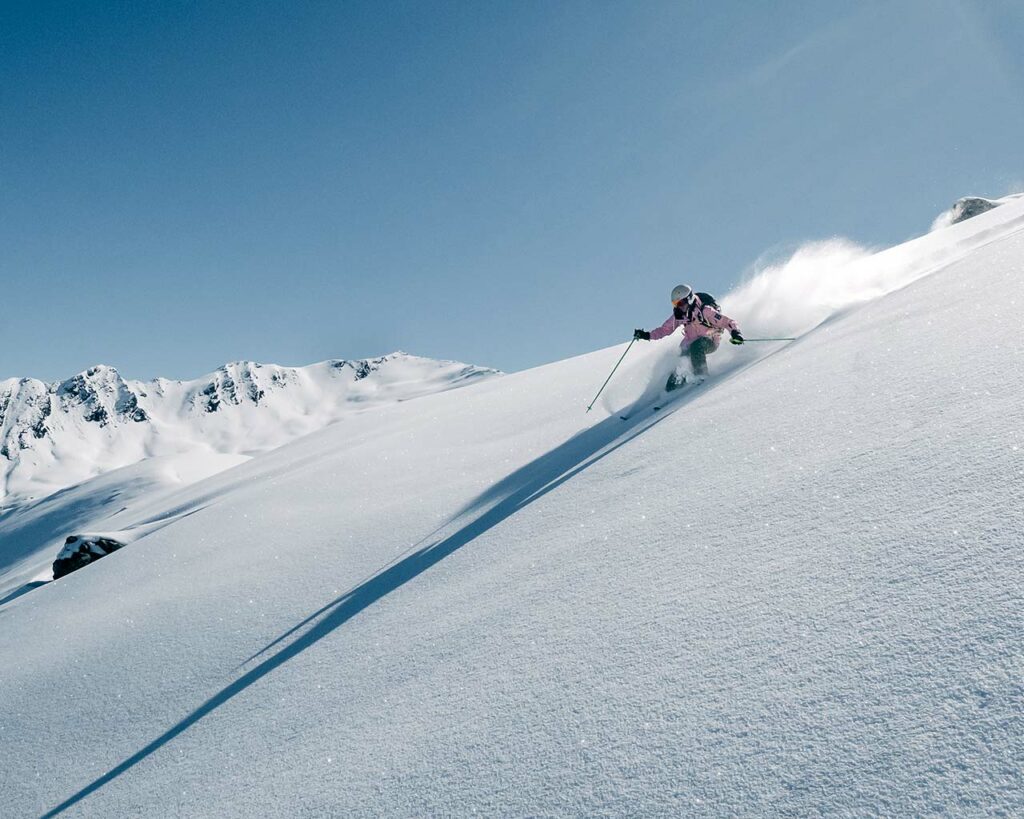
(80, 454)
(794, 590)
(31, 534)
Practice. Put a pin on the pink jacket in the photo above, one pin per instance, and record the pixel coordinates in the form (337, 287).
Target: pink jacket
(698, 320)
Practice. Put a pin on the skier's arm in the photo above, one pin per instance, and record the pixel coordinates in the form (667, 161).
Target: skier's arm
(666, 329)
(718, 320)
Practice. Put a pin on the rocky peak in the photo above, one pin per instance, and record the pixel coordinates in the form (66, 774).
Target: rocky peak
(101, 394)
(233, 384)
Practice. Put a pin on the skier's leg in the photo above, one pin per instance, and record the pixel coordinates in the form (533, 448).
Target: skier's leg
(676, 379)
(699, 355)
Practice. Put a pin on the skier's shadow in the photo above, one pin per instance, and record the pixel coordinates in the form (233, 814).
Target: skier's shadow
(514, 492)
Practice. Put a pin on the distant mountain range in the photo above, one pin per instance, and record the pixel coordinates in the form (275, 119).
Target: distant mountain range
(53, 435)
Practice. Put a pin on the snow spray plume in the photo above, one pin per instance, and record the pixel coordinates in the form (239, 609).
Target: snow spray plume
(823, 278)
(791, 297)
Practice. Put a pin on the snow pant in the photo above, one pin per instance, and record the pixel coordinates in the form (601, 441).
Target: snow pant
(698, 351)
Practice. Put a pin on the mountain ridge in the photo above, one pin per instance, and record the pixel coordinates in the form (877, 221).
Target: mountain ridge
(101, 421)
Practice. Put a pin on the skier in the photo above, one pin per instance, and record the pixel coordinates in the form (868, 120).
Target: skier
(703, 324)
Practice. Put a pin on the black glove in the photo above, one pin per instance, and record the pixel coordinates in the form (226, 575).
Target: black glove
(641, 335)
(737, 337)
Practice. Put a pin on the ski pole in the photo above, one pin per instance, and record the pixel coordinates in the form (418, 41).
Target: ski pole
(609, 378)
(768, 339)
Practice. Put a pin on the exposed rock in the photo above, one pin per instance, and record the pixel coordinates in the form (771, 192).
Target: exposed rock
(99, 416)
(363, 367)
(971, 206)
(128, 406)
(81, 550)
(233, 384)
(100, 393)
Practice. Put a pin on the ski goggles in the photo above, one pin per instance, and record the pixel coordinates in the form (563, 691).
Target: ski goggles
(688, 300)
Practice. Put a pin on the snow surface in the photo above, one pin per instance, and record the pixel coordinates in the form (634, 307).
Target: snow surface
(794, 590)
(82, 453)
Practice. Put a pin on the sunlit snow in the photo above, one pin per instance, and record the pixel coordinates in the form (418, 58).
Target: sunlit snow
(792, 590)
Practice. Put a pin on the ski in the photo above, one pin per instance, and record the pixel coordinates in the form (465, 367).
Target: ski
(668, 397)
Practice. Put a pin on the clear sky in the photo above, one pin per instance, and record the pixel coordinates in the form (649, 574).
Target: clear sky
(188, 183)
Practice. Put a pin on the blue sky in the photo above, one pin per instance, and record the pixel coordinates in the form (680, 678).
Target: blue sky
(187, 183)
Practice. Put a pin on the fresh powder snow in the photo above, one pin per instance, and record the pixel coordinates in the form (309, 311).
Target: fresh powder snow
(78, 453)
(793, 590)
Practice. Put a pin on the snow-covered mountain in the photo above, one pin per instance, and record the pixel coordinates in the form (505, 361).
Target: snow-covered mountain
(59, 434)
(795, 590)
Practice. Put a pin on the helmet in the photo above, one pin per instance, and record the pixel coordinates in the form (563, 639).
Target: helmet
(681, 293)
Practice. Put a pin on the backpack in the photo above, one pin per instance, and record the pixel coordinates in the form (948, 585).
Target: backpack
(706, 300)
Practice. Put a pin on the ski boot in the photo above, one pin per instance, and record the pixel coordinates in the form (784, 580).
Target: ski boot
(675, 381)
